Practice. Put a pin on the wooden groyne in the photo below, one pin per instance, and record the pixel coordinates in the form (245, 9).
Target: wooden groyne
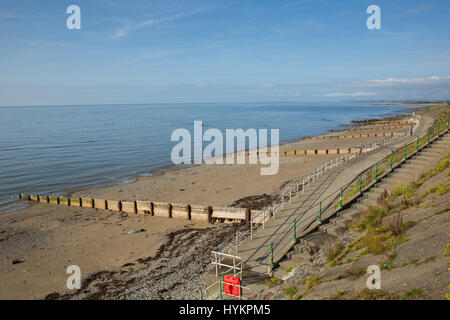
(374, 128)
(153, 208)
(356, 136)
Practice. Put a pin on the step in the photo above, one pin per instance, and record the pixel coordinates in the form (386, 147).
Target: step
(424, 158)
(386, 185)
(416, 166)
(369, 202)
(396, 181)
(323, 227)
(318, 239)
(372, 195)
(346, 211)
(406, 170)
(336, 230)
(360, 206)
(418, 161)
(378, 189)
(344, 222)
(353, 214)
(406, 175)
(435, 150)
(293, 255)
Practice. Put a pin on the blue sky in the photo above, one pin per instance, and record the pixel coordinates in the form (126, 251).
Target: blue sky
(140, 51)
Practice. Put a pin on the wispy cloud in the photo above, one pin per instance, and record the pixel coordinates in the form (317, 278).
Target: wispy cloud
(353, 94)
(397, 81)
(123, 31)
(296, 94)
(420, 9)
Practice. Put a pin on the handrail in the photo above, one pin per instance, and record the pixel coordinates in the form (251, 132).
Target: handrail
(372, 173)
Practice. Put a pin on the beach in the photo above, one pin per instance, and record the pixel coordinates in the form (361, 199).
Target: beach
(38, 243)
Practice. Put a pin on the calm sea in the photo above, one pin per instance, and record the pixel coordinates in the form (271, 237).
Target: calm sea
(48, 150)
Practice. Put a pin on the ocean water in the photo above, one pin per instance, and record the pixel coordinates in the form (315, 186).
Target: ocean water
(49, 150)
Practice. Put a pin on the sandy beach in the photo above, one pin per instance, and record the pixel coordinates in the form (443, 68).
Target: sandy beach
(38, 243)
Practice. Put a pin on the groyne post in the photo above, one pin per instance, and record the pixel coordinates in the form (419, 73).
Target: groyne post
(320, 212)
(295, 232)
(360, 182)
(271, 254)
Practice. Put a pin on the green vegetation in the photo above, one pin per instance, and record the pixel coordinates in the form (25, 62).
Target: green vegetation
(411, 294)
(297, 297)
(367, 294)
(351, 274)
(290, 268)
(333, 252)
(290, 291)
(270, 281)
(440, 190)
(312, 282)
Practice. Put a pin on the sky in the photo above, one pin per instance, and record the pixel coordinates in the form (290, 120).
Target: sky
(166, 51)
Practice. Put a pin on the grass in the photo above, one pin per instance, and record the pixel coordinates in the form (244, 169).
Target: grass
(411, 294)
(297, 297)
(372, 219)
(339, 294)
(367, 294)
(270, 281)
(407, 190)
(441, 190)
(333, 252)
(310, 283)
(290, 291)
(290, 268)
(351, 274)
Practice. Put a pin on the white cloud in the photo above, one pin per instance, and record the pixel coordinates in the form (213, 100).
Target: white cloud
(296, 94)
(354, 94)
(394, 81)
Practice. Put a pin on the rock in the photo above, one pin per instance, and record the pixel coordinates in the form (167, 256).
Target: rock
(135, 231)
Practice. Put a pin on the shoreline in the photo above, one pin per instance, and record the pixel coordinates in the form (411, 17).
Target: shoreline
(68, 192)
(170, 168)
(47, 238)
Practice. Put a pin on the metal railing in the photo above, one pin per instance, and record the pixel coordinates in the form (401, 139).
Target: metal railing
(293, 190)
(332, 203)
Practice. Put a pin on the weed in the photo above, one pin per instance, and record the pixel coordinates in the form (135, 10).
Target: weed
(290, 291)
(311, 283)
(367, 294)
(414, 292)
(334, 251)
(270, 281)
(351, 274)
(290, 268)
(396, 224)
